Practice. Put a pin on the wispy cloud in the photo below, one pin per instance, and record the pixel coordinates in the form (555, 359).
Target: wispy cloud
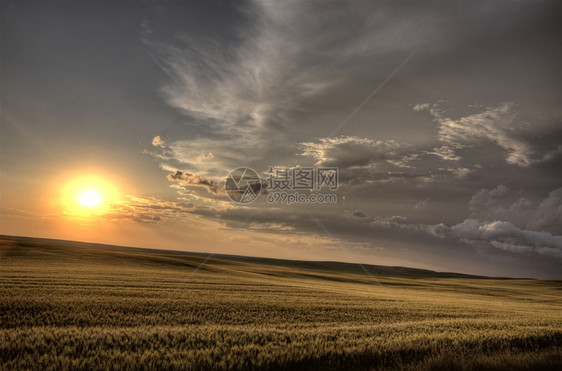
(497, 124)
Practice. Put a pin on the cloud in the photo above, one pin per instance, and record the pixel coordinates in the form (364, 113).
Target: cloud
(506, 236)
(486, 198)
(459, 172)
(358, 214)
(486, 203)
(392, 221)
(348, 151)
(188, 180)
(367, 160)
(421, 205)
(262, 87)
(501, 203)
(498, 234)
(363, 160)
(148, 210)
(422, 107)
(444, 152)
(548, 215)
(158, 142)
(203, 157)
(499, 124)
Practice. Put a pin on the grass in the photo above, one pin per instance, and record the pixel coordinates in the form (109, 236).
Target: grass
(70, 305)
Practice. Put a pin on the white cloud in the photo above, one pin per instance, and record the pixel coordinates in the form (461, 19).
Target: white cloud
(203, 157)
(158, 142)
(445, 153)
(421, 107)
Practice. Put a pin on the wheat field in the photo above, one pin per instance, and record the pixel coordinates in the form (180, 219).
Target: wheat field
(75, 306)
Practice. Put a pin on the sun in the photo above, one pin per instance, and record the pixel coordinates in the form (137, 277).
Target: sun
(87, 197)
(90, 198)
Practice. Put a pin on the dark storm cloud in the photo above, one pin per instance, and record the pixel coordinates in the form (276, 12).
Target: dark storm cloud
(358, 214)
(520, 208)
(188, 179)
(456, 121)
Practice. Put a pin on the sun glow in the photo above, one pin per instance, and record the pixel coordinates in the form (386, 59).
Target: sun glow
(88, 196)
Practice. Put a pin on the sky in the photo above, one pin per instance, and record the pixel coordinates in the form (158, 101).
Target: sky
(442, 117)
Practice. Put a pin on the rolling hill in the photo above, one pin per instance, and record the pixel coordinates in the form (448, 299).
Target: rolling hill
(73, 305)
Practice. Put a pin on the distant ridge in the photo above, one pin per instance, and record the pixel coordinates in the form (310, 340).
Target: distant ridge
(377, 270)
